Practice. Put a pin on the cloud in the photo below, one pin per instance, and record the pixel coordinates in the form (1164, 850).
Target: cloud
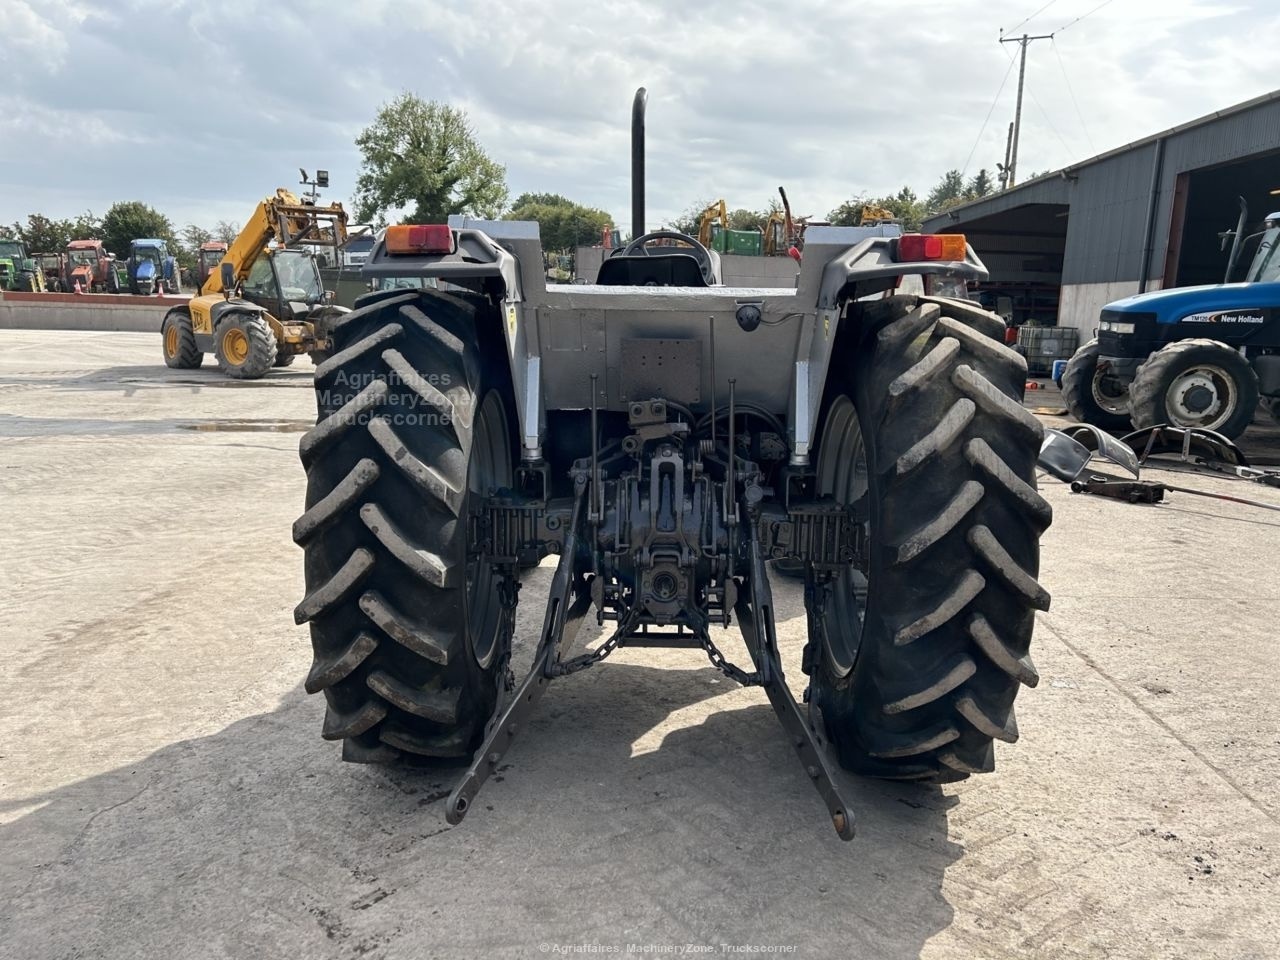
(202, 108)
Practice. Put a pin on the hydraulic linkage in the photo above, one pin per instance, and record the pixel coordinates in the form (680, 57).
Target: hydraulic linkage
(568, 604)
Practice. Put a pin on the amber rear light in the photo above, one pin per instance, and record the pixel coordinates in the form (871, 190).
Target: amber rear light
(419, 238)
(931, 246)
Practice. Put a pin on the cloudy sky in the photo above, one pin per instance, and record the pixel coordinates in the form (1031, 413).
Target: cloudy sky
(201, 108)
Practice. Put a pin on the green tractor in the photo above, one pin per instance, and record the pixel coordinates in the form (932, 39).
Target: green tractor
(17, 270)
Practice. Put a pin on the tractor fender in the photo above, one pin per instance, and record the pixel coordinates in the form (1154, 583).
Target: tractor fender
(870, 266)
(180, 310)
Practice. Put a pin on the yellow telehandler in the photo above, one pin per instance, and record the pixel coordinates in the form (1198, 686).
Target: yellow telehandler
(265, 304)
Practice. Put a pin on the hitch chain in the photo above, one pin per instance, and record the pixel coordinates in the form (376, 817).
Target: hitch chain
(508, 598)
(582, 661)
(730, 670)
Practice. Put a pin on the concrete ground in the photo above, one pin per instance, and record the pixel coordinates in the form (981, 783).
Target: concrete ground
(164, 791)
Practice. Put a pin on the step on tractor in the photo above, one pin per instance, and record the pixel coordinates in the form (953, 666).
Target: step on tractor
(19, 270)
(151, 269)
(1192, 357)
(265, 303)
(90, 269)
(664, 437)
(208, 257)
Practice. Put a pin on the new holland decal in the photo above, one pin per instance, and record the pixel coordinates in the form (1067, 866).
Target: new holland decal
(1227, 316)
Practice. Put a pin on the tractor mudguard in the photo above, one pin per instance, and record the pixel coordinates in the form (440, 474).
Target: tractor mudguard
(476, 257)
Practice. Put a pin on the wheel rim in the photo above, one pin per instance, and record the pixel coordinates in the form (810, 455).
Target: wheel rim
(235, 346)
(489, 469)
(1110, 394)
(171, 341)
(1203, 396)
(843, 475)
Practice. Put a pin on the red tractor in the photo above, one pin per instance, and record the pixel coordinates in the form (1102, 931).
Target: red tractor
(90, 269)
(208, 257)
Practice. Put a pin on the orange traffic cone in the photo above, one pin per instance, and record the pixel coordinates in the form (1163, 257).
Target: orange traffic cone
(78, 290)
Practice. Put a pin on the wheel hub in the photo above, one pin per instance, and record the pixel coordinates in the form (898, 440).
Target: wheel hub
(1110, 393)
(1202, 397)
(171, 341)
(235, 346)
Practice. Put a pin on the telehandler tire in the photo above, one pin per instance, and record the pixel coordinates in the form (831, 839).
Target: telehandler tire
(244, 346)
(915, 664)
(410, 636)
(179, 341)
(283, 359)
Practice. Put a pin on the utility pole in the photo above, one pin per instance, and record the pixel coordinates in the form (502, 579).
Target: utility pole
(1004, 167)
(1022, 41)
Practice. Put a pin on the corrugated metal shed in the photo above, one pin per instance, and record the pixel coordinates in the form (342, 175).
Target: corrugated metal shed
(1109, 195)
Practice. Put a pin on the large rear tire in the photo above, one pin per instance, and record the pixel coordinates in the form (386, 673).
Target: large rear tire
(179, 341)
(410, 637)
(1195, 383)
(244, 346)
(915, 663)
(1092, 398)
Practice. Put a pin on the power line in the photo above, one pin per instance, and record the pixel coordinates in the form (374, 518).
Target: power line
(978, 139)
(1045, 113)
(1030, 18)
(1082, 16)
(1063, 67)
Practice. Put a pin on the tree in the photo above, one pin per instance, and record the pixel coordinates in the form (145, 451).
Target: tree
(948, 192)
(904, 205)
(980, 186)
(744, 219)
(189, 241)
(87, 226)
(849, 213)
(424, 156)
(130, 220)
(562, 225)
(542, 199)
(43, 234)
(688, 221)
(226, 231)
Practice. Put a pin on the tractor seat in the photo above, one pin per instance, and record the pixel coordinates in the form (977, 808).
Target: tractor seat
(659, 270)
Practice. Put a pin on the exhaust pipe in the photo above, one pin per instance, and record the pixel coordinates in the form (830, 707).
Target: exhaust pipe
(637, 162)
(1236, 239)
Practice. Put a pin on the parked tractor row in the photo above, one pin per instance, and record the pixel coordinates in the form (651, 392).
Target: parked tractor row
(85, 266)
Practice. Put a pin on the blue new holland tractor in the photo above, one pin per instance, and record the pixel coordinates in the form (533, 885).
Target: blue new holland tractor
(1197, 357)
(149, 265)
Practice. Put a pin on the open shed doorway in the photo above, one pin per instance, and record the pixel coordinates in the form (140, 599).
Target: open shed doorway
(1205, 205)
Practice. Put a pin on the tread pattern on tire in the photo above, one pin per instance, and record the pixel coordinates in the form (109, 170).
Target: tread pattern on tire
(262, 346)
(384, 531)
(1077, 390)
(955, 536)
(189, 356)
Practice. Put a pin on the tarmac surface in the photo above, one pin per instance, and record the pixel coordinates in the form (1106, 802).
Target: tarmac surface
(164, 790)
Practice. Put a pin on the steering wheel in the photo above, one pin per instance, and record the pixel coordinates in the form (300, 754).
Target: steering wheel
(638, 248)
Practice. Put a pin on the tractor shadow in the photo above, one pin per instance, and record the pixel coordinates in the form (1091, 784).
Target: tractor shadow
(641, 805)
(258, 841)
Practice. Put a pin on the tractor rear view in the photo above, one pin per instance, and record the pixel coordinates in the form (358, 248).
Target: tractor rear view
(664, 436)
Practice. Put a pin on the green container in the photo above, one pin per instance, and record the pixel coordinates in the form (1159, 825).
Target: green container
(719, 239)
(744, 243)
